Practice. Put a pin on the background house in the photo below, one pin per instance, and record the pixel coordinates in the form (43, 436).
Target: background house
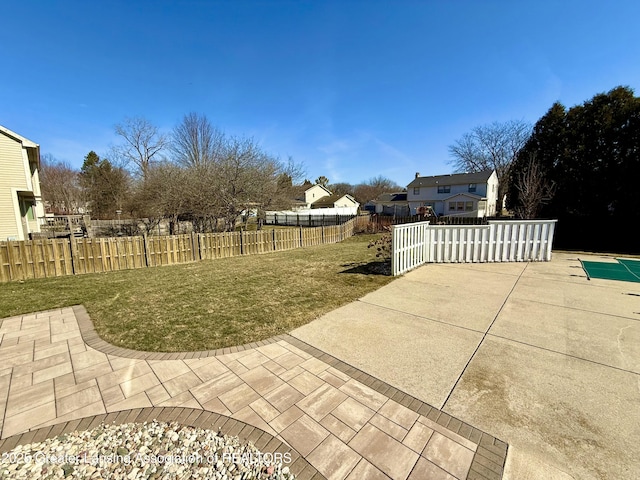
(20, 199)
(318, 196)
(461, 194)
(319, 203)
(336, 201)
(392, 204)
(315, 193)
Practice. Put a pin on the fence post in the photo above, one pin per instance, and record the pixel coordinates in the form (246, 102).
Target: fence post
(394, 251)
(322, 234)
(145, 245)
(74, 255)
(241, 242)
(300, 237)
(551, 231)
(195, 248)
(273, 235)
(427, 241)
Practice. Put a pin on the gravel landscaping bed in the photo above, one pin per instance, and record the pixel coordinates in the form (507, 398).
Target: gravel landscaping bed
(155, 450)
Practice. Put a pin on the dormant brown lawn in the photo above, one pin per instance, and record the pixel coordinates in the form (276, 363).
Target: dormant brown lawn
(209, 304)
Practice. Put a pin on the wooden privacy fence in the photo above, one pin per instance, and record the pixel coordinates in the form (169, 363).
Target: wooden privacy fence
(500, 241)
(44, 258)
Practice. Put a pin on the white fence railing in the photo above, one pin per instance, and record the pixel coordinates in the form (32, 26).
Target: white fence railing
(414, 244)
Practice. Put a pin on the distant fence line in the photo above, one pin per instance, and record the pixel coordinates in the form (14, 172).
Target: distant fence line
(388, 220)
(500, 241)
(56, 257)
(306, 219)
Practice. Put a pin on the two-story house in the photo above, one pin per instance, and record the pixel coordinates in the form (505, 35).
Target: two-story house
(318, 196)
(20, 199)
(461, 194)
(315, 193)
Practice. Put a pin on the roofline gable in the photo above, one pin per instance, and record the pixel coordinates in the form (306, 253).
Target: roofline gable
(464, 194)
(333, 198)
(321, 186)
(25, 141)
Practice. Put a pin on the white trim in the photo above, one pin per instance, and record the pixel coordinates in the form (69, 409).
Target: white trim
(463, 194)
(25, 141)
(17, 216)
(27, 169)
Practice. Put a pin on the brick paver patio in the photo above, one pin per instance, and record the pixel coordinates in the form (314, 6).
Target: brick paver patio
(57, 375)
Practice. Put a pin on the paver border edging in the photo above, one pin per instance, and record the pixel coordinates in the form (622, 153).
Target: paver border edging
(265, 442)
(490, 456)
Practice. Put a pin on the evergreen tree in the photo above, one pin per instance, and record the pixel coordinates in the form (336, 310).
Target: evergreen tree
(591, 154)
(104, 185)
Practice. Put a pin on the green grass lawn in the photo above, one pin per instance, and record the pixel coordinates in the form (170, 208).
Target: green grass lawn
(209, 304)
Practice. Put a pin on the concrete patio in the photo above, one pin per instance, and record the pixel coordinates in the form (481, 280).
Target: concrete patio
(533, 353)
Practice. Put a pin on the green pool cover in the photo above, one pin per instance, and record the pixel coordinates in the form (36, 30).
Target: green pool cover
(626, 270)
(632, 265)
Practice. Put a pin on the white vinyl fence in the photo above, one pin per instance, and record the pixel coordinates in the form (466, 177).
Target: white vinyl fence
(414, 244)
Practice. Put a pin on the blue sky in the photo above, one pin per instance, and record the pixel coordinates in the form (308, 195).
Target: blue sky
(354, 89)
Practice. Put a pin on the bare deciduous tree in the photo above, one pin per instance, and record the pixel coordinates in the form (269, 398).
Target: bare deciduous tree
(534, 190)
(166, 193)
(143, 144)
(295, 170)
(228, 175)
(60, 186)
(246, 178)
(195, 142)
(212, 176)
(491, 147)
(374, 187)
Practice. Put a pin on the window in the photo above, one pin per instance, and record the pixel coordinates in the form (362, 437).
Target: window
(472, 187)
(26, 209)
(416, 190)
(460, 206)
(444, 188)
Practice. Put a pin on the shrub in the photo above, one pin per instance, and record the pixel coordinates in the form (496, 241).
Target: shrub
(383, 247)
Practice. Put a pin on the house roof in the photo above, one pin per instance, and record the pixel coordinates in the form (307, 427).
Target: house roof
(25, 141)
(329, 200)
(318, 185)
(451, 179)
(391, 197)
(399, 197)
